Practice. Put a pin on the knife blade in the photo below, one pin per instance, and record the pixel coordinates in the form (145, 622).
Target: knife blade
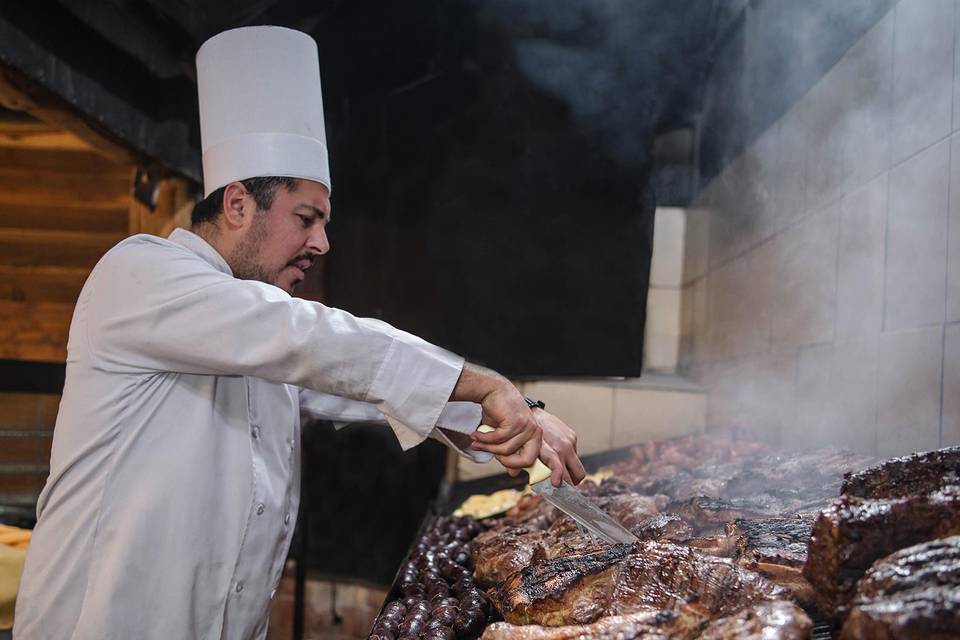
(576, 505)
(573, 503)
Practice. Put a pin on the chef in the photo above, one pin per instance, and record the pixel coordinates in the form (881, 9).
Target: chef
(174, 473)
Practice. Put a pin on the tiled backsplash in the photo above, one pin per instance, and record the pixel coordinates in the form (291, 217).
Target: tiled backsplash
(822, 267)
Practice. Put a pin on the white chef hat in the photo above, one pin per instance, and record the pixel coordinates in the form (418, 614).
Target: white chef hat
(261, 110)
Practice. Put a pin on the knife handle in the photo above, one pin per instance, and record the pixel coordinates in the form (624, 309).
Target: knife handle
(537, 471)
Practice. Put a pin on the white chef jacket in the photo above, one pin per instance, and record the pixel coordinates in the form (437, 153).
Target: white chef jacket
(174, 473)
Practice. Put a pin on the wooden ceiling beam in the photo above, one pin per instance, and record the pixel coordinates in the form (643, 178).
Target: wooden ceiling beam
(18, 94)
(36, 187)
(37, 216)
(60, 161)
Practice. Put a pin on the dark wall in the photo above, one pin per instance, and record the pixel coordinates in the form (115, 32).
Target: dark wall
(363, 499)
(481, 214)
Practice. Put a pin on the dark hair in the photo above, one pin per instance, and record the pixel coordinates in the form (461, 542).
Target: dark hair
(263, 191)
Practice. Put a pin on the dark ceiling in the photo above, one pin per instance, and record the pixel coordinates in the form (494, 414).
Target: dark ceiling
(625, 68)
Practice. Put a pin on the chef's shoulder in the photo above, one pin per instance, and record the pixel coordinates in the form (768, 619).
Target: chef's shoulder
(145, 260)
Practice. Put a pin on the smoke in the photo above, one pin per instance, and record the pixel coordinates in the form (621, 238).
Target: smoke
(621, 66)
(817, 253)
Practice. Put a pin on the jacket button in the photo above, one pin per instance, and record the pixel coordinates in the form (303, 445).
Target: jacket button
(239, 586)
(255, 432)
(286, 519)
(260, 509)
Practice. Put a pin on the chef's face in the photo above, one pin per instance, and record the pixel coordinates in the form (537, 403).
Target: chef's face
(281, 243)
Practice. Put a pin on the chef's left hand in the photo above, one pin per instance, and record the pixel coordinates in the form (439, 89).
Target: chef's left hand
(562, 440)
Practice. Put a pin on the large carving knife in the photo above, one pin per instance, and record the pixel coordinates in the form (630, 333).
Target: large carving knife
(573, 503)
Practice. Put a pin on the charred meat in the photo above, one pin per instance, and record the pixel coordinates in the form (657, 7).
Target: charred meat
(621, 580)
(913, 593)
(777, 620)
(681, 623)
(909, 475)
(851, 535)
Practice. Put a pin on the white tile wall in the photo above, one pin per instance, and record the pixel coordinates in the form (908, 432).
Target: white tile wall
(644, 414)
(953, 251)
(917, 240)
(951, 387)
(661, 334)
(666, 263)
(697, 230)
(863, 226)
(866, 86)
(586, 407)
(816, 420)
(738, 303)
(803, 307)
(922, 74)
(908, 388)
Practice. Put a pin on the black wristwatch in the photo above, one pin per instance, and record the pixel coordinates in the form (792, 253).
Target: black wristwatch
(534, 404)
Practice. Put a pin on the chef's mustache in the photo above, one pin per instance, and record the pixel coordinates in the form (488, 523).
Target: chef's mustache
(312, 257)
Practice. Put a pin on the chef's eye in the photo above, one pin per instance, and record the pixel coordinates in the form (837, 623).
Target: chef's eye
(307, 221)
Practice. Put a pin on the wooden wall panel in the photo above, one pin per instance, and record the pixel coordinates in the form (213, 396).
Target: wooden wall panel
(34, 330)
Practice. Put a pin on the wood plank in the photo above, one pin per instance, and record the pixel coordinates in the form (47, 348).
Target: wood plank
(56, 140)
(50, 189)
(25, 411)
(61, 161)
(111, 220)
(46, 248)
(41, 284)
(34, 331)
(20, 450)
(19, 94)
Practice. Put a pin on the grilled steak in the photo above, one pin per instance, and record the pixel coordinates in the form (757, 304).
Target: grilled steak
(851, 535)
(776, 548)
(913, 593)
(499, 552)
(705, 514)
(925, 614)
(777, 620)
(621, 580)
(680, 623)
(909, 475)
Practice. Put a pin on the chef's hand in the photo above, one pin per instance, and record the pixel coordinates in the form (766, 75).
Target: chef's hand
(562, 442)
(516, 439)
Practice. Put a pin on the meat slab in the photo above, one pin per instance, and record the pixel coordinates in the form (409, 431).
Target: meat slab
(913, 593)
(855, 532)
(621, 580)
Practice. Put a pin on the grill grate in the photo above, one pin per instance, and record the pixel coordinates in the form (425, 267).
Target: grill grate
(822, 631)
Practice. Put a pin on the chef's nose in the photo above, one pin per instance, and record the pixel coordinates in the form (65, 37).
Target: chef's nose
(318, 241)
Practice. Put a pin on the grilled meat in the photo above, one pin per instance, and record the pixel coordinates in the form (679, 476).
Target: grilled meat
(922, 614)
(851, 535)
(679, 623)
(621, 580)
(666, 527)
(776, 548)
(909, 475)
(560, 591)
(777, 620)
(913, 593)
(499, 552)
(705, 514)
(933, 563)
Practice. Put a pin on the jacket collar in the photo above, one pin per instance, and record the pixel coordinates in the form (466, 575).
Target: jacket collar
(202, 248)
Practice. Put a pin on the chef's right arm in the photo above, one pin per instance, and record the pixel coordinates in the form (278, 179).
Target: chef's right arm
(152, 306)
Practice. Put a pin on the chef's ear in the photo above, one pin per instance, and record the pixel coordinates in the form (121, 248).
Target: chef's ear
(236, 205)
